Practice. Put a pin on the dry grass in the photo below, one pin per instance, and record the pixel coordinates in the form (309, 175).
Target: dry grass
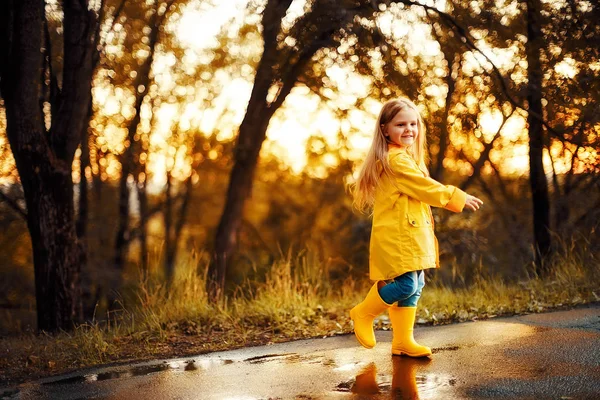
(296, 300)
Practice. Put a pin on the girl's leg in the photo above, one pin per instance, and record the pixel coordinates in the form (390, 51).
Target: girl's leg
(402, 288)
(414, 298)
(403, 321)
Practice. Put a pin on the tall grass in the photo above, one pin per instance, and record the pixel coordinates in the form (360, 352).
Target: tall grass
(297, 293)
(573, 278)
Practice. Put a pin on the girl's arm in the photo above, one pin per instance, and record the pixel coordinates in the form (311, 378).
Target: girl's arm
(409, 179)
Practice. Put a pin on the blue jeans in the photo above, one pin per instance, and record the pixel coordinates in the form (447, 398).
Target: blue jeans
(404, 289)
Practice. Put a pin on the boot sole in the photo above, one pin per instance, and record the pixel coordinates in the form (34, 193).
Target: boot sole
(417, 355)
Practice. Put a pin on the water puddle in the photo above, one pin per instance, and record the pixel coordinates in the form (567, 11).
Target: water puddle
(405, 381)
(144, 370)
(268, 357)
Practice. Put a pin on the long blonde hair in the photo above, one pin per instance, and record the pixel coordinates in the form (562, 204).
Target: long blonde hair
(371, 171)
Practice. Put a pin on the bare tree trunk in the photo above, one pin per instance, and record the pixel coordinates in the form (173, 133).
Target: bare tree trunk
(143, 204)
(44, 158)
(82, 218)
(251, 136)
(123, 226)
(97, 178)
(270, 71)
(174, 232)
(539, 184)
(168, 220)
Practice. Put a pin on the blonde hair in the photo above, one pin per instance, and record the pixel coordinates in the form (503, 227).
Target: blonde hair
(371, 171)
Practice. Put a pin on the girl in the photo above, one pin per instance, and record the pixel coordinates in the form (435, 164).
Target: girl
(395, 182)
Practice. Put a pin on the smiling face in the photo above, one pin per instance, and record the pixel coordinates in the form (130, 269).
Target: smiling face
(403, 129)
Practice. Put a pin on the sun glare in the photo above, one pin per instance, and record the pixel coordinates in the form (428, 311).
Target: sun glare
(202, 21)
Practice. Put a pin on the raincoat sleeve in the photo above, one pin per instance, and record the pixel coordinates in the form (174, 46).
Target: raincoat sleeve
(410, 180)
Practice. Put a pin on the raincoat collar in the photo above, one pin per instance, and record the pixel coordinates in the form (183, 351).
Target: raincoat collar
(395, 148)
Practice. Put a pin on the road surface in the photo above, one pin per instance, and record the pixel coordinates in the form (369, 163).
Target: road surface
(553, 355)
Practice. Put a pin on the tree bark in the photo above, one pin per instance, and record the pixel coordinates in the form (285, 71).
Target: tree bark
(44, 158)
(278, 69)
(88, 303)
(538, 182)
(251, 136)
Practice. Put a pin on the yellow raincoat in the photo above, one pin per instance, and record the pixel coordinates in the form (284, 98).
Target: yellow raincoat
(402, 236)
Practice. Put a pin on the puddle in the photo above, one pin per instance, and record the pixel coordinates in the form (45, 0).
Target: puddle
(292, 358)
(190, 365)
(145, 370)
(268, 357)
(310, 359)
(405, 381)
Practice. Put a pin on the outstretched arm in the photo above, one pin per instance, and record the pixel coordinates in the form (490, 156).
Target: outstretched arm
(409, 179)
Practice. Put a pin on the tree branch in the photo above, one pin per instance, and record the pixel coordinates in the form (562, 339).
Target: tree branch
(271, 21)
(485, 154)
(468, 42)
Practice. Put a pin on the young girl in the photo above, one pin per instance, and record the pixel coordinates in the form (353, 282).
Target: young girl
(395, 182)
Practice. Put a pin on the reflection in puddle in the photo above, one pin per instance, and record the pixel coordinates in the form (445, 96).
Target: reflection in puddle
(366, 381)
(405, 383)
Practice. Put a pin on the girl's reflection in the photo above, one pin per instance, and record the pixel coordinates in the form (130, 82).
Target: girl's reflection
(404, 378)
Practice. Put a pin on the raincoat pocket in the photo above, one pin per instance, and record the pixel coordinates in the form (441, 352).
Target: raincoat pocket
(420, 235)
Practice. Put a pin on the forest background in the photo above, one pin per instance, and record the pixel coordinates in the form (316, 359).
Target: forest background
(208, 148)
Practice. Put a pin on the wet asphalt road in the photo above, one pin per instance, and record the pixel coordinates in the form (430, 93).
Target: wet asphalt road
(554, 355)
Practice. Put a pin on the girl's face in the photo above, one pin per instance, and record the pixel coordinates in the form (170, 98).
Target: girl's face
(403, 129)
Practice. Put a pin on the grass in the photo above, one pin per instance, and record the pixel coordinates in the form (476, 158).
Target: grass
(296, 300)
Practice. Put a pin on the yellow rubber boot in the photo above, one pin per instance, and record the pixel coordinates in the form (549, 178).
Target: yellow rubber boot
(364, 313)
(403, 342)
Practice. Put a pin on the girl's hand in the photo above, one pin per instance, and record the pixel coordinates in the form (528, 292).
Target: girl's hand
(473, 203)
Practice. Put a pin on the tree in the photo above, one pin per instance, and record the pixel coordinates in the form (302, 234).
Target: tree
(286, 53)
(44, 143)
(158, 16)
(537, 177)
(276, 74)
